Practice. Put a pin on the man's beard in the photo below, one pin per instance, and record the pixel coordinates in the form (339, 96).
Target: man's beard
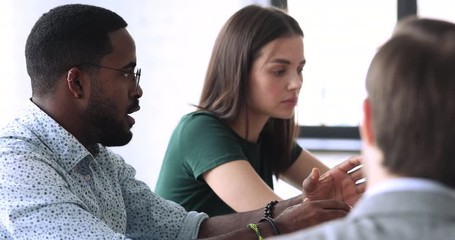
(101, 114)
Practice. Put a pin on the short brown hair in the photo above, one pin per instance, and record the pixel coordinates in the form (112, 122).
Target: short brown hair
(411, 89)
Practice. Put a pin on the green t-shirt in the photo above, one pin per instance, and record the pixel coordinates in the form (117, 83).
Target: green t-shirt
(200, 143)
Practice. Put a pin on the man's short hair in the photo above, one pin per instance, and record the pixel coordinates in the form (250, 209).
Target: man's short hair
(64, 37)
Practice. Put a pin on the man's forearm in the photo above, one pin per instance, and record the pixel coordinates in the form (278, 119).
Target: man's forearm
(236, 224)
(281, 206)
(234, 227)
(215, 226)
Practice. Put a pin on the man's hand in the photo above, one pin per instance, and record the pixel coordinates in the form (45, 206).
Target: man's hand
(310, 213)
(338, 183)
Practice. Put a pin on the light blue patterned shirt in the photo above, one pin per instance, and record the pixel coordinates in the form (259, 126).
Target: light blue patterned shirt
(51, 187)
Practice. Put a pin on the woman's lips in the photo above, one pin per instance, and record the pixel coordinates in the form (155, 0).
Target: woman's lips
(290, 101)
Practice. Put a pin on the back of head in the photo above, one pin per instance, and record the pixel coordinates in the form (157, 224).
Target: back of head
(65, 37)
(237, 46)
(411, 86)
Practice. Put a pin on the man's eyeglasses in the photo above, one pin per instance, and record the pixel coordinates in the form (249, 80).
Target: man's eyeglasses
(127, 74)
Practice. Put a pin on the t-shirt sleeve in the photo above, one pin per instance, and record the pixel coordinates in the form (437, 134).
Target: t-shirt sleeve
(295, 153)
(208, 143)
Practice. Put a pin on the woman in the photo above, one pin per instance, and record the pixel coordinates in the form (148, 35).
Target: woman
(222, 157)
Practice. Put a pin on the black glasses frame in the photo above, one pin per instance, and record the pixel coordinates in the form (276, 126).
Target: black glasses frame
(126, 74)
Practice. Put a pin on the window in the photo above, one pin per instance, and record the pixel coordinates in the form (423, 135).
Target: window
(340, 40)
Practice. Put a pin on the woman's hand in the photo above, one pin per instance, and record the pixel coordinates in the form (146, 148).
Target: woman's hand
(340, 183)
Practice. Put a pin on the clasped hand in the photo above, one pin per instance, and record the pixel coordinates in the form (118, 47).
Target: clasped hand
(340, 183)
(325, 197)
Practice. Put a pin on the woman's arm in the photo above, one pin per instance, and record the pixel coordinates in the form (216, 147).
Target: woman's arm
(239, 186)
(301, 168)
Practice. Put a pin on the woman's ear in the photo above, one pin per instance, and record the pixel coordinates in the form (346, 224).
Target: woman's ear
(74, 83)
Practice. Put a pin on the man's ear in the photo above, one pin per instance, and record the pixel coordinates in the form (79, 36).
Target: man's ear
(75, 85)
(366, 128)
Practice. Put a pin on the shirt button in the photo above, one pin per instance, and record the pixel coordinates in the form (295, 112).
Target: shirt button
(87, 177)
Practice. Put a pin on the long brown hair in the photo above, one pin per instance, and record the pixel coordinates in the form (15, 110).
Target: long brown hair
(227, 80)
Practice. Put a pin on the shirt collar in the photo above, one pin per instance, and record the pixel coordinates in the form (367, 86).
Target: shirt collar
(68, 150)
(408, 184)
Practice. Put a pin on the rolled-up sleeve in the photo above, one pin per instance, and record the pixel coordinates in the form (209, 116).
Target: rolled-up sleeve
(191, 224)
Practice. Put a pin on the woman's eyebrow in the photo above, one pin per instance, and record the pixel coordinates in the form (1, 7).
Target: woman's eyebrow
(280, 60)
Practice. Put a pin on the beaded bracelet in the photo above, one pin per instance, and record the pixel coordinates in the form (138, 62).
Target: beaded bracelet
(273, 223)
(255, 228)
(268, 208)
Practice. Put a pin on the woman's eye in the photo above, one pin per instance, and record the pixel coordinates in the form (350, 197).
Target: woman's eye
(280, 72)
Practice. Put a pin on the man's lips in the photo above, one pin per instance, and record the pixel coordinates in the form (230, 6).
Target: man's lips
(134, 109)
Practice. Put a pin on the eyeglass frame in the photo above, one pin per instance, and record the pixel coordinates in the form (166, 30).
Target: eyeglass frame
(136, 76)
